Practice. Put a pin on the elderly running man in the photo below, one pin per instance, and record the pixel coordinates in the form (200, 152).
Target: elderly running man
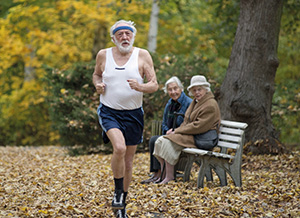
(119, 79)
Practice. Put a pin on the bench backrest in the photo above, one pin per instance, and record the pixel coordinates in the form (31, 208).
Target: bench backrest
(156, 127)
(232, 136)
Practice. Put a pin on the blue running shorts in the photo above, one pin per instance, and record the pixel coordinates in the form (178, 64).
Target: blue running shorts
(130, 122)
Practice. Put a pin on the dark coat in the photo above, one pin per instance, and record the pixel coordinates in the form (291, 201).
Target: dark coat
(184, 102)
(199, 118)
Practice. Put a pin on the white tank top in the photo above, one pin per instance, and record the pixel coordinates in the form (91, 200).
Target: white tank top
(118, 94)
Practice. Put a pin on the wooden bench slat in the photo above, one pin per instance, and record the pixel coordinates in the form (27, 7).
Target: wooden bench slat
(221, 155)
(205, 152)
(156, 127)
(228, 145)
(195, 151)
(230, 138)
(234, 124)
(231, 131)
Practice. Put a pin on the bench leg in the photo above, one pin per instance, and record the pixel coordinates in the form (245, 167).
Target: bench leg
(222, 167)
(221, 173)
(180, 166)
(208, 174)
(202, 171)
(233, 170)
(236, 177)
(188, 167)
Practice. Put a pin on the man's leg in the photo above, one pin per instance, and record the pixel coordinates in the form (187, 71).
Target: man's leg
(154, 163)
(119, 150)
(130, 151)
(118, 165)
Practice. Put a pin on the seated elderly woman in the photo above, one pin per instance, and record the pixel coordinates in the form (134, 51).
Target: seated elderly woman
(202, 118)
(178, 102)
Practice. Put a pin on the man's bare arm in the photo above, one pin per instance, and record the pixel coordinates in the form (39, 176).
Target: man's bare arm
(148, 72)
(97, 75)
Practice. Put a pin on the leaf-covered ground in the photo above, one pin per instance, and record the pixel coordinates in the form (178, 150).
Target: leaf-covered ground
(47, 182)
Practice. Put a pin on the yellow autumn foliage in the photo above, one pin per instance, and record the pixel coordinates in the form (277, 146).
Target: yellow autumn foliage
(36, 34)
(11, 47)
(60, 33)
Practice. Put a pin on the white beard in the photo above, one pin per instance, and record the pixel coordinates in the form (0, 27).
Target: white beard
(123, 49)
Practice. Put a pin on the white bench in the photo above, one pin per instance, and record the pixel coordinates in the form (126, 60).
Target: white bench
(225, 158)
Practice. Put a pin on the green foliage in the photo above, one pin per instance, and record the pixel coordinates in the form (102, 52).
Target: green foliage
(286, 99)
(183, 30)
(286, 111)
(73, 104)
(33, 33)
(166, 66)
(289, 44)
(5, 5)
(291, 17)
(73, 101)
(62, 32)
(225, 17)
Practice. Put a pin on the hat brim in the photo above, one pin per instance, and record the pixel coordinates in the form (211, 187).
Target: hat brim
(198, 84)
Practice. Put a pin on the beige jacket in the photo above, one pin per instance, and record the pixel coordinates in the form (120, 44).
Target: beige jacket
(199, 118)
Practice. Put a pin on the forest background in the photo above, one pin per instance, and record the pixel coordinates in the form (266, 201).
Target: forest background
(47, 52)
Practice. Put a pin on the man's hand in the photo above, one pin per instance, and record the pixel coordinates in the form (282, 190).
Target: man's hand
(133, 83)
(100, 87)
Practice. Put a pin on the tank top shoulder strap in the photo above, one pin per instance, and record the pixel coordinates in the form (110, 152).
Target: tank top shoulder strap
(109, 58)
(135, 53)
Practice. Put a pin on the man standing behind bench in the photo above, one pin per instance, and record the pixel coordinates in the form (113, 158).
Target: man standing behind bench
(118, 78)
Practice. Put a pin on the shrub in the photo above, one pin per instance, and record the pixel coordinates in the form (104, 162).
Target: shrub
(167, 66)
(73, 101)
(285, 112)
(73, 104)
(23, 111)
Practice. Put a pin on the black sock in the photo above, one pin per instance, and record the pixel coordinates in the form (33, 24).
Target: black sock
(125, 195)
(119, 184)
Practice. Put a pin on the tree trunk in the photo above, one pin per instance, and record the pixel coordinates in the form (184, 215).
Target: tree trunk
(99, 39)
(29, 73)
(247, 90)
(153, 26)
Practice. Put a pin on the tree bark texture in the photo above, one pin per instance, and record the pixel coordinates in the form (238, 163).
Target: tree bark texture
(99, 39)
(29, 71)
(247, 90)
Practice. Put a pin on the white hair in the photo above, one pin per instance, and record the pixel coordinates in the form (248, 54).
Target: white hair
(173, 79)
(130, 23)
